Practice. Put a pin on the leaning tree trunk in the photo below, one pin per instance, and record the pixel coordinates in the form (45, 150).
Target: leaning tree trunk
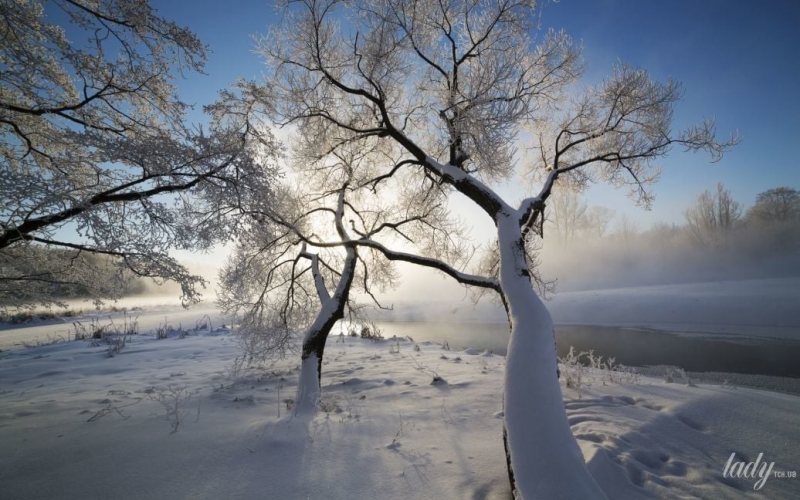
(309, 384)
(544, 460)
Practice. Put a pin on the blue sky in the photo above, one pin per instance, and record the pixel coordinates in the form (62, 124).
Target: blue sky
(738, 61)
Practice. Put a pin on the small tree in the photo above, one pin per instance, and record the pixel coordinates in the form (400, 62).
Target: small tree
(297, 267)
(713, 216)
(444, 89)
(96, 157)
(273, 294)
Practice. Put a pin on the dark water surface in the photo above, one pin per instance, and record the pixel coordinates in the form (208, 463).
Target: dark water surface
(632, 347)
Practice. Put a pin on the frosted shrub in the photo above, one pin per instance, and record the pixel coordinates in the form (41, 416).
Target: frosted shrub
(371, 332)
(572, 370)
(87, 332)
(436, 378)
(351, 408)
(116, 344)
(162, 329)
(117, 337)
(403, 427)
(173, 401)
(625, 375)
(685, 377)
(329, 404)
(671, 374)
(618, 374)
(575, 368)
(203, 323)
(237, 369)
(594, 361)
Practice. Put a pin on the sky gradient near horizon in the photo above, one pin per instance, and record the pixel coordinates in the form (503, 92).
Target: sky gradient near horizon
(738, 62)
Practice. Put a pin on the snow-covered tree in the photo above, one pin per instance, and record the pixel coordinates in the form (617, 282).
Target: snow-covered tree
(96, 156)
(275, 288)
(302, 262)
(445, 88)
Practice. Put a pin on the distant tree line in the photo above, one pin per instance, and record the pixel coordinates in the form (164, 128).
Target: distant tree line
(715, 216)
(722, 238)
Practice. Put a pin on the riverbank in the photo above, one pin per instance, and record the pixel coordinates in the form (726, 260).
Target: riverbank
(76, 424)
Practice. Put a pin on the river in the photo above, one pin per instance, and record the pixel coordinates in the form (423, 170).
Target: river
(629, 346)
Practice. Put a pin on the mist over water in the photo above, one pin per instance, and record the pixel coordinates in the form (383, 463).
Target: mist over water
(738, 291)
(667, 255)
(629, 346)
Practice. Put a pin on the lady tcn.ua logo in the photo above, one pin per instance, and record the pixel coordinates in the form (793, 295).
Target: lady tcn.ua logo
(749, 470)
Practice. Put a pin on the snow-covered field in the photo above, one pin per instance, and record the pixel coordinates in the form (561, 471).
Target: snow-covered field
(763, 308)
(383, 430)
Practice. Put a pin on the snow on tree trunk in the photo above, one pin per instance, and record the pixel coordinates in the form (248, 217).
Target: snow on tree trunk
(308, 387)
(309, 384)
(544, 459)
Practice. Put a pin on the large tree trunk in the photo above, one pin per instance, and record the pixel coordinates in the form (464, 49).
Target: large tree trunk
(544, 459)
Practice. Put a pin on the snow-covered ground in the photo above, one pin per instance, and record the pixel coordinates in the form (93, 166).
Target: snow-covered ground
(383, 431)
(147, 315)
(763, 308)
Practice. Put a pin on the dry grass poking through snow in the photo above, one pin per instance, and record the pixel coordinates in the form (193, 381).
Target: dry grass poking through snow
(394, 422)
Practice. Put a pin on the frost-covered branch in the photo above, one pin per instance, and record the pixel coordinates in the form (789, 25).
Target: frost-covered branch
(319, 280)
(96, 145)
(461, 277)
